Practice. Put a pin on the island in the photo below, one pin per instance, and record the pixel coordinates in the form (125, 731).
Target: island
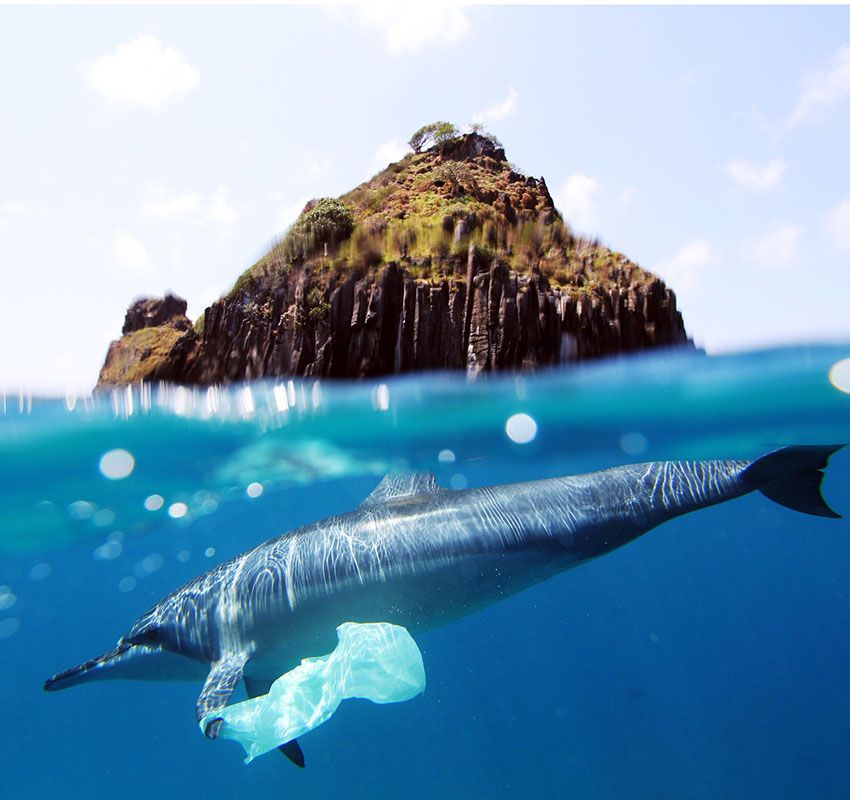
(449, 259)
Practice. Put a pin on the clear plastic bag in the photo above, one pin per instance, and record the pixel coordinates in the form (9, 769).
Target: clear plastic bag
(375, 661)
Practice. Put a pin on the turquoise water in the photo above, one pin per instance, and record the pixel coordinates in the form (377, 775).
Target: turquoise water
(708, 659)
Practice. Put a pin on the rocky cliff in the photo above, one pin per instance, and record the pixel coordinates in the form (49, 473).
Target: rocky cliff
(449, 259)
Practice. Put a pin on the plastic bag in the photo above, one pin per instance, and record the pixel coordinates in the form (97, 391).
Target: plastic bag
(375, 661)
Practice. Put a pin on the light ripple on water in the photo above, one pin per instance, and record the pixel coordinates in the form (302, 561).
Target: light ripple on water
(168, 455)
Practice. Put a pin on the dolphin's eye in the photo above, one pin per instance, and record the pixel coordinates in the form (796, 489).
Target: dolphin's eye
(149, 636)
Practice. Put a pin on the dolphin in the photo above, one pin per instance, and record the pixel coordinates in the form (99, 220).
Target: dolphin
(419, 555)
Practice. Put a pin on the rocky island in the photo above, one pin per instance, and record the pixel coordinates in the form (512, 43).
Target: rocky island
(450, 259)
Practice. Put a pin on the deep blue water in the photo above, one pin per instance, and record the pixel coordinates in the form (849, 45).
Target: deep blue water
(708, 659)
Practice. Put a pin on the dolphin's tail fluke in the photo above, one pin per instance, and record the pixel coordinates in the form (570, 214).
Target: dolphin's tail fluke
(792, 477)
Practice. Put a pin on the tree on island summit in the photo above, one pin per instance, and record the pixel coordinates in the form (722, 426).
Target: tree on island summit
(441, 133)
(438, 133)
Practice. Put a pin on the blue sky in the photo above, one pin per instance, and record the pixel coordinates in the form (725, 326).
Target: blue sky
(146, 149)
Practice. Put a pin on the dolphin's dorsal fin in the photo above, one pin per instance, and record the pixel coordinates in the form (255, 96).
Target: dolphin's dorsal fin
(395, 487)
(291, 749)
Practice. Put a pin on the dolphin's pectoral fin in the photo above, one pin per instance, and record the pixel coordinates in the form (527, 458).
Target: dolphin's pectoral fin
(224, 675)
(292, 750)
(396, 487)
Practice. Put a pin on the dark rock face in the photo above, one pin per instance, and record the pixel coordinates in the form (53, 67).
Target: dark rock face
(388, 322)
(151, 312)
(471, 146)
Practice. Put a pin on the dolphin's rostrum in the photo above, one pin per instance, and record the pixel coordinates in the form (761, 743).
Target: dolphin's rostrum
(418, 555)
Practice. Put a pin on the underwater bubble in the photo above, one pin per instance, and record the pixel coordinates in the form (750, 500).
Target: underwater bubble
(40, 571)
(107, 551)
(104, 517)
(458, 481)
(521, 428)
(254, 489)
(117, 464)
(7, 598)
(183, 556)
(148, 565)
(127, 584)
(633, 444)
(446, 457)
(209, 552)
(81, 509)
(209, 505)
(8, 627)
(154, 502)
(839, 375)
(177, 510)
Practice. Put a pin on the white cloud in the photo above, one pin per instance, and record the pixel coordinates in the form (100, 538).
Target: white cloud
(221, 208)
(824, 89)
(627, 194)
(684, 269)
(577, 201)
(163, 202)
(837, 223)
(408, 27)
(130, 253)
(387, 153)
(777, 248)
(15, 208)
(144, 73)
(13, 211)
(499, 110)
(757, 178)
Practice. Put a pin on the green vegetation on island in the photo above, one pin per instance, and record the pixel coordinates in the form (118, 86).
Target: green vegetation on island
(452, 191)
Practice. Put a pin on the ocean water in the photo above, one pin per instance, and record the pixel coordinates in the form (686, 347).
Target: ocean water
(708, 659)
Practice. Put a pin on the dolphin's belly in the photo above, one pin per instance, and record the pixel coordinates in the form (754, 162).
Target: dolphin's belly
(419, 602)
